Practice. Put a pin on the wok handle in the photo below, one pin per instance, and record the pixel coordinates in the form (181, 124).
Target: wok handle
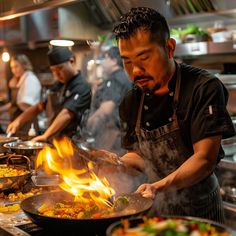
(17, 158)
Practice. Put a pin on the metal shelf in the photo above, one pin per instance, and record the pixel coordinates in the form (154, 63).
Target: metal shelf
(227, 164)
(204, 48)
(203, 17)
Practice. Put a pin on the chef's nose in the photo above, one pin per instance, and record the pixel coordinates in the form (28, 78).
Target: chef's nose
(137, 70)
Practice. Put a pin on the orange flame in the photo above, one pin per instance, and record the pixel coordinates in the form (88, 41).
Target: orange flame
(79, 182)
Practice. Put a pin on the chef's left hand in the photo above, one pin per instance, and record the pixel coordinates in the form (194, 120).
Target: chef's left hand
(147, 190)
(40, 138)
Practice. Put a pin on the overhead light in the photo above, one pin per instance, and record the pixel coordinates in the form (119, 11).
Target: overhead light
(62, 42)
(5, 55)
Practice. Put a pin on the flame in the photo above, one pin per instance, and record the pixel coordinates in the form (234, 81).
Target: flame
(79, 182)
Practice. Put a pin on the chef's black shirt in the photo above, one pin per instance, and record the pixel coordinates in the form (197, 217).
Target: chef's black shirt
(76, 97)
(201, 110)
(114, 88)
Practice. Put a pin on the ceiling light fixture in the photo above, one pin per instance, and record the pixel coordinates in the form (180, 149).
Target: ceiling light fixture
(5, 55)
(62, 42)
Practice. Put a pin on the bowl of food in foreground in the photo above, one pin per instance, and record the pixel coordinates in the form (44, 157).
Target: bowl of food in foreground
(167, 226)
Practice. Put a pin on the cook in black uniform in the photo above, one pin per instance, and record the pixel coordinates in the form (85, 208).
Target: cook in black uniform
(173, 121)
(67, 100)
(103, 121)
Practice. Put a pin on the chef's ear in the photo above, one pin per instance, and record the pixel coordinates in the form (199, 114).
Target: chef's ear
(72, 59)
(170, 46)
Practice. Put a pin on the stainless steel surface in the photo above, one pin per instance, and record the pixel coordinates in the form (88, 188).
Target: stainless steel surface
(205, 48)
(46, 181)
(12, 9)
(229, 146)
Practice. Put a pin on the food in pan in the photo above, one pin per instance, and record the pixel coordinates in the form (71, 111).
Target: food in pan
(6, 171)
(169, 227)
(80, 210)
(10, 208)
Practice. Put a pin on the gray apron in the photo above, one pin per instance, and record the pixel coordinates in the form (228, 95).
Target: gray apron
(164, 151)
(54, 104)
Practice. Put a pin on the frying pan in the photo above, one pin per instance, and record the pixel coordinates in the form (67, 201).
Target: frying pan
(27, 148)
(12, 183)
(136, 221)
(88, 226)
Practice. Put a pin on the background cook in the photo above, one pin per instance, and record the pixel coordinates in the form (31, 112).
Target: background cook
(25, 91)
(66, 101)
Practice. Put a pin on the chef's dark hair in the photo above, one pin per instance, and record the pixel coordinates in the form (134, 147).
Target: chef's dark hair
(114, 53)
(143, 18)
(23, 60)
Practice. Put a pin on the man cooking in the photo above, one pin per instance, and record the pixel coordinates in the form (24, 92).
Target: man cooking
(173, 121)
(66, 102)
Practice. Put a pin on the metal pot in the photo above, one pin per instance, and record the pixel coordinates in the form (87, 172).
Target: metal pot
(135, 222)
(4, 139)
(27, 148)
(229, 146)
(13, 183)
(229, 194)
(88, 226)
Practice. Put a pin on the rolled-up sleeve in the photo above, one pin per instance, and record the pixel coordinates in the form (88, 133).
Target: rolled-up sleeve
(79, 99)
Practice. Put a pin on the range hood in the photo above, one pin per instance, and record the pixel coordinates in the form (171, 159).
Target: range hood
(11, 8)
(73, 22)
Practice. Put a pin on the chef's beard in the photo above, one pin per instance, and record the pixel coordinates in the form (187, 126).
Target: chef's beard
(147, 89)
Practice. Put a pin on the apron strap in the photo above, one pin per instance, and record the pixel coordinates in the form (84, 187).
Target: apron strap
(177, 91)
(138, 121)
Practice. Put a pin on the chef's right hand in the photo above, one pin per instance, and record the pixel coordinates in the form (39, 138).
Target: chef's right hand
(147, 190)
(13, 127)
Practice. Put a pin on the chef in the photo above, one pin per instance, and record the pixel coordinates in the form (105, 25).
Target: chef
(66, 102)
(173, 121)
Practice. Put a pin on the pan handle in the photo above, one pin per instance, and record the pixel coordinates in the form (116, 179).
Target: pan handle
(18, 159)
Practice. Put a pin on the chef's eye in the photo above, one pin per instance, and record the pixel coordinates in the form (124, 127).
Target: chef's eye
(126, 62)
(143, 58)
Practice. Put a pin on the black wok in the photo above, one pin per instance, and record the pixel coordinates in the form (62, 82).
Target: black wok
(87, 226)
(136, 221)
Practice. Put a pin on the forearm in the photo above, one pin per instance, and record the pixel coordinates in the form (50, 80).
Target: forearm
(59, 123)
(5, 107)
(28, 114)
(133, 159)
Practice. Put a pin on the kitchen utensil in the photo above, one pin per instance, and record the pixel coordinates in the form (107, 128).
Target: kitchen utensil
(30, 206)
(9, 134)
(46, 181)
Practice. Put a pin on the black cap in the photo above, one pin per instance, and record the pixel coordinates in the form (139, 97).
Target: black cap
(58, 55)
